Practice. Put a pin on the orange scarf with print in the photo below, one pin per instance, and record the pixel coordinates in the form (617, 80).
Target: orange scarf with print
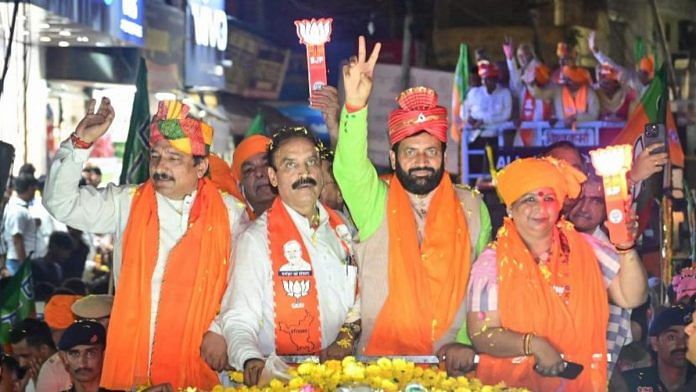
(426, 285)
(528, 304)
(574, 105)
(297, 318)
(194, 281)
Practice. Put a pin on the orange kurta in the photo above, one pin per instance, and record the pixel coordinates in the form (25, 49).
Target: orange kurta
(426, 285)
(575, 324)
(192, 287)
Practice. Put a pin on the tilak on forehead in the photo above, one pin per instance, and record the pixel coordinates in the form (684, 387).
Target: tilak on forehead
(531, 174)
(185, 133)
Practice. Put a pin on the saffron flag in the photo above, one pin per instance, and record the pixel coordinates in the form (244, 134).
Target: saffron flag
(459, 89)
(136, 155)
(653, 108)
(16, 300)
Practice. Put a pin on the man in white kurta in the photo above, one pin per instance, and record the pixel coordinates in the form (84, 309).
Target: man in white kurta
(106, 210)
(249, 309)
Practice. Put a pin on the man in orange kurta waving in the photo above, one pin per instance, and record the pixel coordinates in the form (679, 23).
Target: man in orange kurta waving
(172, 248)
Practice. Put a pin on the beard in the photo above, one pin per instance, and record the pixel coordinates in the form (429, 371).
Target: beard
(419, 185)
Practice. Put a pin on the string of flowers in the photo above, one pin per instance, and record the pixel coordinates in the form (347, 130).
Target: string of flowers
(384, 375)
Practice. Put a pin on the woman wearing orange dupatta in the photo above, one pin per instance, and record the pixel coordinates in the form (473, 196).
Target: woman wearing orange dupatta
(537, 297)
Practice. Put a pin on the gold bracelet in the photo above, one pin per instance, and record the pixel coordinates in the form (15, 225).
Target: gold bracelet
(527, 344)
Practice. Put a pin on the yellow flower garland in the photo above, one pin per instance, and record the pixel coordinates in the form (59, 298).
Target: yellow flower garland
(384, 375)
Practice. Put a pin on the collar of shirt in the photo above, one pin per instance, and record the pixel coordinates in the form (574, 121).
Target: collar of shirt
(19, 202)
(302, 223)
(181, 208)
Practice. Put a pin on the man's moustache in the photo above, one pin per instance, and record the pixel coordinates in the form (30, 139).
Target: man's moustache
(424, 168)
(304, 181)
(162, 177)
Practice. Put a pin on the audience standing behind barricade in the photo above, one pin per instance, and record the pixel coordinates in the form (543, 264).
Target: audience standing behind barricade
(637, 79)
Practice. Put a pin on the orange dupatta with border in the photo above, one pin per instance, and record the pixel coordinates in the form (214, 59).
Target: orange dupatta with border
(297, 318)
(426, 285)
(194, 281)
(528, 304)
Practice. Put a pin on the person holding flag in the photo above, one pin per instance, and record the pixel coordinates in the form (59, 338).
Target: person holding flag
(172, 246)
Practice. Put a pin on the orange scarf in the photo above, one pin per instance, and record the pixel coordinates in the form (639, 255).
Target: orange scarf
(426, 285)
(192, 287)
(528, 304)
(574, 105)
(297, 321)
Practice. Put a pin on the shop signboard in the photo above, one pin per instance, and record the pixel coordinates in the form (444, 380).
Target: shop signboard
(164, 47)
(259, 67)
(206, 44)
(122, 19)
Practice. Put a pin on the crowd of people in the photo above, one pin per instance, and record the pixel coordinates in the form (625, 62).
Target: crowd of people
(302, 249)
(524, 89)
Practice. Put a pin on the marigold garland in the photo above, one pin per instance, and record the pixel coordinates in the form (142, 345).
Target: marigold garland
(384, 375)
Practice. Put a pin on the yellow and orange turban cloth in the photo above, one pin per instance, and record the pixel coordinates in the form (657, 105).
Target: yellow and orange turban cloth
(185, 133)
(529, 174)
(418, 111)
(58, 311)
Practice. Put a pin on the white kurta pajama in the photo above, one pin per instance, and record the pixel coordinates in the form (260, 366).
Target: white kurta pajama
(106, 210)
(248, 308)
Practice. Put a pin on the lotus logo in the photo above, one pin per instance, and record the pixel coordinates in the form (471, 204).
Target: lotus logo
(296, 289)
(315, 31)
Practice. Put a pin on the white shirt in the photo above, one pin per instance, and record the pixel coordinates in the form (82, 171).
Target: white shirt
(248, 316)
(106, 210)
(47, 225)
(491, 108)
(18, 220)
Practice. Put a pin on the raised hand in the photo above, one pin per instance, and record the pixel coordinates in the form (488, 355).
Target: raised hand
(326, 101)
(508, 48)
(591, 41)
(357, 75)
(94, 124)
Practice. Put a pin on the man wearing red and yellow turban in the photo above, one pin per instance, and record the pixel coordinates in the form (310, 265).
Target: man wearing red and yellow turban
(418, 232)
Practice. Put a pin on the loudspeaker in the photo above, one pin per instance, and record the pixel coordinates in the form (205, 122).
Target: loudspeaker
(7, 155)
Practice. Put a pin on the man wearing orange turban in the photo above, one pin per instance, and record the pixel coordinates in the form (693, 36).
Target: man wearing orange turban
(637, 79)
(250, 174)
(418, 232)
(540, 262)
(616, 100)
(172, 246)
(573, 99)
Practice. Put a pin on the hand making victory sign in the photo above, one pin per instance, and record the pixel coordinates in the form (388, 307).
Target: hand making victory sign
(357, 75)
